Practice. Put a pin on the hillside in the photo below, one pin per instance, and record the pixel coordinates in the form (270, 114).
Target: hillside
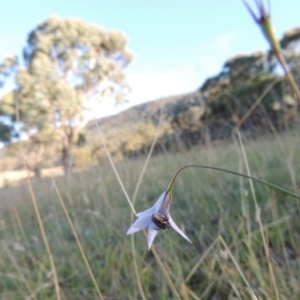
(131, 132)
(248, 93)
(206, 114)
(147, 112)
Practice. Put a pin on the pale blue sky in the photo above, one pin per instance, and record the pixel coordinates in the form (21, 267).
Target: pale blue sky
(177, 43)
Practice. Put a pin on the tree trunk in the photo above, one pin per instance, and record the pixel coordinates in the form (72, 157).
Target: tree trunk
(37, 172)
(67, 157)
(67, 160)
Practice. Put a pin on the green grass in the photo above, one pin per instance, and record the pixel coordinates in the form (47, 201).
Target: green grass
(210, 206)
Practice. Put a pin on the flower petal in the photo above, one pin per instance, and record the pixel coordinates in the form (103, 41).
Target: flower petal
(159, 201)
(164, 208)
(178, 229)
(149, 211)
(152, 233)
(155, 207)
(141, 223)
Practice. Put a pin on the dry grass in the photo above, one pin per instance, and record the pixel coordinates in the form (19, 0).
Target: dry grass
(14, 177)
(235, 254)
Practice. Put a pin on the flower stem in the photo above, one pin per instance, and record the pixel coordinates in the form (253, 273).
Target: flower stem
(274, 186)
(263, 20)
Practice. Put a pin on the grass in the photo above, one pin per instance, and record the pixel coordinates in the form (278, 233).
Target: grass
(235, 253)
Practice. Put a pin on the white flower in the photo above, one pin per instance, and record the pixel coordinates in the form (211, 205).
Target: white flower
(156, 218)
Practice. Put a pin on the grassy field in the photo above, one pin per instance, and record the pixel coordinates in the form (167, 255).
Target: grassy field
(239, 251)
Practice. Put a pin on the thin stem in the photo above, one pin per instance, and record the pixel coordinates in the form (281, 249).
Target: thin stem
(288, 74)
(44, 236)
(257, 209)
(238, 267)
(133, 202)
(257, 102)
(171, 184)
(77, 239)
(263, 20)
(38, 215)
(171, 285)
(165, 272)
(137, 187)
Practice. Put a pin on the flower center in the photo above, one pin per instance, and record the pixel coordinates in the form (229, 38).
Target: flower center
(162, 222)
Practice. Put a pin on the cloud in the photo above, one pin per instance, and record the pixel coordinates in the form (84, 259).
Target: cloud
(184, 78)
(171, 82)
(224, 41)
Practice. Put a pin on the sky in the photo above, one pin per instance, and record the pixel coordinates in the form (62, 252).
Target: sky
(177, 43)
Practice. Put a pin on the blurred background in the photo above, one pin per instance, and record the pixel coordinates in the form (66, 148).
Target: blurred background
(146, 87)
(70, 64)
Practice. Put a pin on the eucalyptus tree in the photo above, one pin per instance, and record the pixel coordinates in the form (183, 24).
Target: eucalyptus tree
(6, 122)
(65, 63)
(230, 94)
(7, 131)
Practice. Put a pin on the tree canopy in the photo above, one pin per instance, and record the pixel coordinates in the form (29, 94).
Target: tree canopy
(66, 62)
